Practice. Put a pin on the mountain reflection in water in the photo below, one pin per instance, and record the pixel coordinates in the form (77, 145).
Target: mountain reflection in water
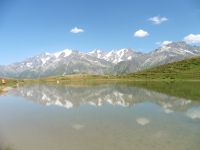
(121, 95)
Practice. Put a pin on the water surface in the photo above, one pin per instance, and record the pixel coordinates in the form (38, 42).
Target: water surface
(108, 117)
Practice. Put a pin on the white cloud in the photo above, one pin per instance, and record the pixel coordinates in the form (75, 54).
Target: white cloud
(141, 33)
(157, 19)
(194, 113)
(163, 43)
(192, 38)
(76, 30)
(78, 126)
(168, 111)
(142, 121)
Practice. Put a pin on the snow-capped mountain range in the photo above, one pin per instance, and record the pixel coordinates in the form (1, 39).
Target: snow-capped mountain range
(115, 56)
(97, 61)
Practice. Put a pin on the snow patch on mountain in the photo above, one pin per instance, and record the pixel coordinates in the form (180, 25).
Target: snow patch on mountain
(97, 53)
(65, 53)
(44, 60)
(115, 56)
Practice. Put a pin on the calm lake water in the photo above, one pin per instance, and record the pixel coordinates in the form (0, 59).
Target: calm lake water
(101, 117)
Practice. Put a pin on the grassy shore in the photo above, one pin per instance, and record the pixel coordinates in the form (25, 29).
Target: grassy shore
(9, 84)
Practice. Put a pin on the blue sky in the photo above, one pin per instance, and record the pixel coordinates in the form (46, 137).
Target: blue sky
(30, 27)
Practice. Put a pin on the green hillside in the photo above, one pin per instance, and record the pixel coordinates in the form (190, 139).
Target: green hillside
(8, 83)
(186, 69)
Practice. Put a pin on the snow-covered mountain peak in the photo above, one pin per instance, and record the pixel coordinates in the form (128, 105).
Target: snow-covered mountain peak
(47, 54)
(176, 45)
(116, 56)
(97, 53)
(180, 44)
(64, 53)
(178, 48)
(125, 50)
(171, 52)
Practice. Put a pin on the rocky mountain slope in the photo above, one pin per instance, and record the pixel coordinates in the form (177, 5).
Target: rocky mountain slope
(163, 55)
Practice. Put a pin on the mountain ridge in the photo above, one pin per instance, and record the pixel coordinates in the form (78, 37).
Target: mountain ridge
(120, 61)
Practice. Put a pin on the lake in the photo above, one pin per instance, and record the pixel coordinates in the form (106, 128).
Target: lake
(100, 117)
